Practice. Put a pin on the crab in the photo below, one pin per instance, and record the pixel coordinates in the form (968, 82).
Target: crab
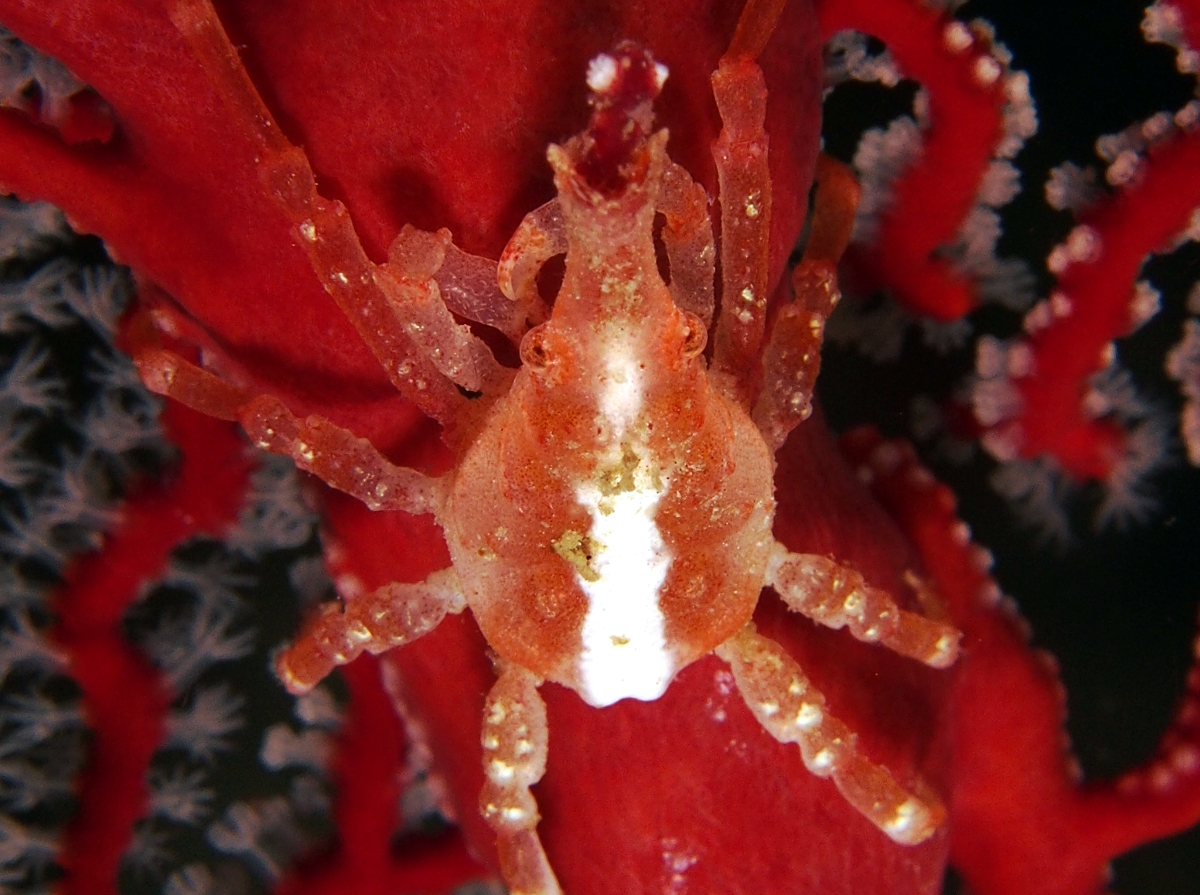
(609, 517)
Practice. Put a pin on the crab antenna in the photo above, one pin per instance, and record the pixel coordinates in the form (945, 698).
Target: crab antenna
(754, 28)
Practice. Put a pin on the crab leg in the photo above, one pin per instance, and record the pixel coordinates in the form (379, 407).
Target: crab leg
(740, 153)
(541, 235)
(392, 616)
(335, 455)
(340, 458)
(409, 282)
(328, 238)
(166, 373)
(792, 710)
(469, 287)
(322, 228)
(834, 206)
(755, 26)
(515, 741)
(688, 239)
(836, 596)
(792, 355)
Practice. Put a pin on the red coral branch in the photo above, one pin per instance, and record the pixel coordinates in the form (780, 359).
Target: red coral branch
(1093, 304)
(1022, 820)
(965, 84)
(1095, 295)
(366, 773)
(124, 698)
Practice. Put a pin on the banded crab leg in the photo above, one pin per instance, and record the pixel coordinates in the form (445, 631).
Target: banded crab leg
(837, 596)
(792, 710)
(515, 741)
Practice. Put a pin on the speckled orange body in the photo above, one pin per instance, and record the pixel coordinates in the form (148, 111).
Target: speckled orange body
(514, 495)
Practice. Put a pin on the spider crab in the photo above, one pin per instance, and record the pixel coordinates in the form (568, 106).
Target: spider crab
(609, 514)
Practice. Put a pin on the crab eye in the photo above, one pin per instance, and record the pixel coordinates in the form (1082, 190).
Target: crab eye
(534, 351)
(696, 336)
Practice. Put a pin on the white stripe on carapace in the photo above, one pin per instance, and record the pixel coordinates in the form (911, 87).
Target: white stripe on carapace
(624, 645)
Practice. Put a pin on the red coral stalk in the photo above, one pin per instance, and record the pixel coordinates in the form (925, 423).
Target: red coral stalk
(1037, 395)
(366, 774)
(1093, 304)
(965, 83)
(124, 698)
(1022, 819)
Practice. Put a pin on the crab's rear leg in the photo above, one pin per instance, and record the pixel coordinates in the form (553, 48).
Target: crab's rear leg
(515, 740)
(333, 454)
(837, 596)
(391, 616)
(792, 710)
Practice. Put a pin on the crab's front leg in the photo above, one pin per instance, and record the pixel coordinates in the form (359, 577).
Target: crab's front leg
(411, 285)
(792, 710)
(398, 309)
(541, 235)
(469, 287)
(688, 239)
(515, 739)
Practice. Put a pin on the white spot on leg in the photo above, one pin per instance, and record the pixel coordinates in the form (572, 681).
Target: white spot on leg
(660, 74)
(809, 717)
(910, 817)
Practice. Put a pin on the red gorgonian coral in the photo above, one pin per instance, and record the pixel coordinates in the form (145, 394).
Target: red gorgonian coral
(439, 117)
